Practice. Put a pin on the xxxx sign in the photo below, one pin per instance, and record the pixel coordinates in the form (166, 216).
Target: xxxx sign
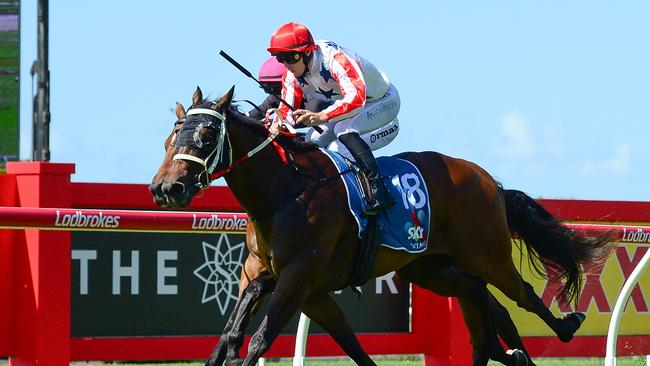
(601, 287)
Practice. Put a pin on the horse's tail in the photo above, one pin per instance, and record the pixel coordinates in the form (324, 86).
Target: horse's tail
(558, 247)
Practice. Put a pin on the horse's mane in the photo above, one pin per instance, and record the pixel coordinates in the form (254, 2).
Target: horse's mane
(255, 126)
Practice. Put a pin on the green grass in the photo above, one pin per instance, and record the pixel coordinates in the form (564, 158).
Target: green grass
(8, 49)
(8, 94)
(8, 9)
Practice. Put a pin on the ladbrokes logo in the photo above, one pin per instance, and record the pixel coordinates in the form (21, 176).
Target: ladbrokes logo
(78, 219)
(638, 236)
(216, 223)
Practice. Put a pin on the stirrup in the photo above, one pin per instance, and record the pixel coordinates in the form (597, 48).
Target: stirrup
(379, 201)
(374, 207)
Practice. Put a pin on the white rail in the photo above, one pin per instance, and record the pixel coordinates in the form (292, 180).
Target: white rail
(301, 341)
(621, 301)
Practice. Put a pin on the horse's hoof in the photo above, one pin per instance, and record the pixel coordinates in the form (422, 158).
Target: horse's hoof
(573, 322)
(518, 357)
(576, 318)
(234, 362)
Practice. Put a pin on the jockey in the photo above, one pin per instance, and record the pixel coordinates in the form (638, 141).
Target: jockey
(270, 76)
(361, 96)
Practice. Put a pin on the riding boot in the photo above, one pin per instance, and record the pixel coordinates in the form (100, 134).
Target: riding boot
(379, 198)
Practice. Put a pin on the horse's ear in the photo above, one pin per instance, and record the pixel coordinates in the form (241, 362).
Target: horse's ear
(197, 97)
(224, 101)
(180, 111)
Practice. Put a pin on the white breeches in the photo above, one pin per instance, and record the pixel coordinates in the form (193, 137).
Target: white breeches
(377, 124)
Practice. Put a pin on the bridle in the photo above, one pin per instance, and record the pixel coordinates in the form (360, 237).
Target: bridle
(216, 155)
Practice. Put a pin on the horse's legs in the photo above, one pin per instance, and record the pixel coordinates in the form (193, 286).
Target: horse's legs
(506, 328)
(290, 291)
(513, 286)
(474, 300)
(233, 335)
(504, 276)
(261, 286)
(323, 310)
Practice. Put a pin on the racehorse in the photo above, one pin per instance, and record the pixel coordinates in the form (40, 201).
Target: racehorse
(307, 238)
(256, 282)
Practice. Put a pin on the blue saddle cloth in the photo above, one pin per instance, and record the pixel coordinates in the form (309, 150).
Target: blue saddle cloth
(403, 226)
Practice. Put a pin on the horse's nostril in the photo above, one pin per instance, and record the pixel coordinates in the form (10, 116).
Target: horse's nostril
(177, 189)
(154, 188)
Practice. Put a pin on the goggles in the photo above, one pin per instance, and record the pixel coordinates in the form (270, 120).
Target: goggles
(271, 87)
(288, 57)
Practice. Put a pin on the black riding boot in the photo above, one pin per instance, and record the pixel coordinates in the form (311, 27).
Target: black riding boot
(379, 198)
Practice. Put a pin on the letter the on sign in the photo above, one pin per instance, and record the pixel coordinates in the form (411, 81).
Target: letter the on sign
(83, 256)
(166, 272)
(131, 271)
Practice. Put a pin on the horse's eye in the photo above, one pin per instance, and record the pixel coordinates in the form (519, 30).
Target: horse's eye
(207, 134)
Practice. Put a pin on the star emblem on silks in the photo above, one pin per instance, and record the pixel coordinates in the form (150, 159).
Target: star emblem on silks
(220, 272)
(327, 93)
(325, 73)
(332, 44)
(301, 80)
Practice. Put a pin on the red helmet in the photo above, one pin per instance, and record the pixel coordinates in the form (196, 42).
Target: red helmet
(291, 37)
(272, 71)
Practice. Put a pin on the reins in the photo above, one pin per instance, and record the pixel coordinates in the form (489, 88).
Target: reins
(216, 156)
(218, 151)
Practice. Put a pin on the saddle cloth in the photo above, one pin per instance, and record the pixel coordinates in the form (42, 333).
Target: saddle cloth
(403, 226)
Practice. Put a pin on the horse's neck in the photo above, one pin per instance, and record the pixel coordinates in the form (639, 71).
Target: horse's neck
(262, 179)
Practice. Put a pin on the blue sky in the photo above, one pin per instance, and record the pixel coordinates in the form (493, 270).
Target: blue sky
(549, 97)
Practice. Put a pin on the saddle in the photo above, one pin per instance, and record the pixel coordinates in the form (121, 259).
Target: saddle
(402, 226)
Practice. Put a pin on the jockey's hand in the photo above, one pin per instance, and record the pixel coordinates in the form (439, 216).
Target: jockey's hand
(307, 118)
(275, 126)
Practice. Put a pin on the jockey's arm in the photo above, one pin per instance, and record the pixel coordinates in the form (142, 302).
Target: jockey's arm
(348, 75)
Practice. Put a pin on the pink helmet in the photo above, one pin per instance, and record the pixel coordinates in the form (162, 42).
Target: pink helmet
(271, 71)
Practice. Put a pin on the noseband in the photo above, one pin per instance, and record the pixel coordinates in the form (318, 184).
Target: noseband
(218, 151)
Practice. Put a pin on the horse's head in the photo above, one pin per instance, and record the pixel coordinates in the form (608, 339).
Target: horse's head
(201, 147)
(170, 150)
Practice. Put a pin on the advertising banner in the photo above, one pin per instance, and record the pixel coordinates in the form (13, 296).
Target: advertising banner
(152, 284)
(601, 287)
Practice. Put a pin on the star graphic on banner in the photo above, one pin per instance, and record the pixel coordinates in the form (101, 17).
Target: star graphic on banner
(325, 73)
(220, 272)
(327, 93)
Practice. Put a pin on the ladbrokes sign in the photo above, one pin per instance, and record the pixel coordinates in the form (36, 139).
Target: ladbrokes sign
(137, 284)
(81, 220)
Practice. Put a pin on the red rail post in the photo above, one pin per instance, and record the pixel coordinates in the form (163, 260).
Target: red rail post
(7, 238)
(439, 323)
(42, 262)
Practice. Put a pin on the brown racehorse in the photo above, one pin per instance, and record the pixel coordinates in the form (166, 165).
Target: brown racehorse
(309, 250)
(256, 282)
